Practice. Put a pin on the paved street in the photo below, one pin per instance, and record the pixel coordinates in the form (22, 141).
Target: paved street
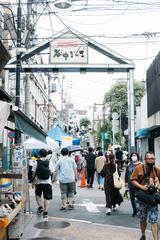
(88, 219)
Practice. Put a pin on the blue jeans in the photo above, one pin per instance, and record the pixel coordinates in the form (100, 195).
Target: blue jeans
(100, 179)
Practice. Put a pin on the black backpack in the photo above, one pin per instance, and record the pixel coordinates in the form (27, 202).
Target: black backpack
(43, 172)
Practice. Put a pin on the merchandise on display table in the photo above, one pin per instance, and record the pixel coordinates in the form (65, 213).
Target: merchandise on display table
(11, 203)
(13, 195)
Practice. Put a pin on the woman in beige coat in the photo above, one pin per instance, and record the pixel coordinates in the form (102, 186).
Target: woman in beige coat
(99, 163)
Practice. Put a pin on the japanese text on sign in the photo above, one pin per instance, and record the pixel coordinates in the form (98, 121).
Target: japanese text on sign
(19, 156)
(68, 51)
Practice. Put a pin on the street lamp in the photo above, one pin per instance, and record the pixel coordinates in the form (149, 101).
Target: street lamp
(63, 4)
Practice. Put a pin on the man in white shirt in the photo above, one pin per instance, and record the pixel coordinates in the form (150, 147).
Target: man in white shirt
(43, 171)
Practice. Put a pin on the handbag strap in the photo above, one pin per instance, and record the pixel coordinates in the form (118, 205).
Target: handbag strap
(144, 177)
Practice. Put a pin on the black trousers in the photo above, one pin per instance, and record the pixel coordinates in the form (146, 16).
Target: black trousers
(90, 177)
(132, 197)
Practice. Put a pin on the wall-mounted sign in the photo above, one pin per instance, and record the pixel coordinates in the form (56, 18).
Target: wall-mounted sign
(68, 50)
(11, 135)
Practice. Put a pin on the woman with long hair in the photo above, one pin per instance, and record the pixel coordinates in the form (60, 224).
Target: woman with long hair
(113, 196)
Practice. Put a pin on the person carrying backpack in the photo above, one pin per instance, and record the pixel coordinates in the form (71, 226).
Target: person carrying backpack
(42, 180)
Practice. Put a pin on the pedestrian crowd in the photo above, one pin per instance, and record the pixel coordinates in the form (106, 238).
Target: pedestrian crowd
(141, 181)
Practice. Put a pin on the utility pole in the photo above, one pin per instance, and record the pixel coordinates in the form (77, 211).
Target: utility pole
(94, 109)
(49, 99)
(103, 121)
(28, 77)
(18, 65)
(62, 99)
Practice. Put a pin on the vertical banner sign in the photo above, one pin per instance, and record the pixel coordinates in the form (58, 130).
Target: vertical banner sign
(19, 156)
(68, 50)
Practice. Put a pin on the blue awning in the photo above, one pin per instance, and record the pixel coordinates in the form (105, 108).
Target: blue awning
(76, 141)
(142, 133)
(27, 126)
(57, 133)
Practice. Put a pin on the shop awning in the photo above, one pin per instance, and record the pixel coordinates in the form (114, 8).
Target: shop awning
(154, 131)
(4, 96)
(142, 133)
(27, 126)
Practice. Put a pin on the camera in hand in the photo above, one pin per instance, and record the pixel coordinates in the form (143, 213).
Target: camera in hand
(152, 189)
(157, 197)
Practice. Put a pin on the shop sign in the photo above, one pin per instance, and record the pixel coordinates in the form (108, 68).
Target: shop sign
(11, 135)
(19, 156)
(68, 50)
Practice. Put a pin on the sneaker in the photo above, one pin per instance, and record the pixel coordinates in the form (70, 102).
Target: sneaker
(63, 208)
(116, 208)
(8, 208)
(17, 199)
(40, 210)
(108, 211)
(45, 216)
(143, 237)
(70, 207)
(3, 212)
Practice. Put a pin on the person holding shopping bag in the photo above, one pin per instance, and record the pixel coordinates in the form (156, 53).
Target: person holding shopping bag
(112, 194)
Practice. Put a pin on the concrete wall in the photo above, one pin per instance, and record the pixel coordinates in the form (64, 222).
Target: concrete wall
(157, 150)
(144, 118)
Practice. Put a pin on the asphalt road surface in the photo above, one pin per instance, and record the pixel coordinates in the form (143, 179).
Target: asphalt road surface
(90, 207)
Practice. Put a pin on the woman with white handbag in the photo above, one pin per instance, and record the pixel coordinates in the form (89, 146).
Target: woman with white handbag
(112, 194)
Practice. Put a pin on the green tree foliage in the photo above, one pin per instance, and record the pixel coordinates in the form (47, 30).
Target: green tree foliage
(117, 101)
(84, 122)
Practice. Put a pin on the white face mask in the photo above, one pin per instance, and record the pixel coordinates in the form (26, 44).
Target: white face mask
(134, 158)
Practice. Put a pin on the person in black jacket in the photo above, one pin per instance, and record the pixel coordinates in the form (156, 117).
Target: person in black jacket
(119, 158)
(90, 167)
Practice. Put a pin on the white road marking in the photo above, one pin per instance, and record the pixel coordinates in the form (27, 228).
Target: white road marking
(84, 204)
(90, 206)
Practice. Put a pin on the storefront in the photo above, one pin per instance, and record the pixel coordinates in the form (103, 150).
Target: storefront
(14, 192)
(154, 142)
(142, 141)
